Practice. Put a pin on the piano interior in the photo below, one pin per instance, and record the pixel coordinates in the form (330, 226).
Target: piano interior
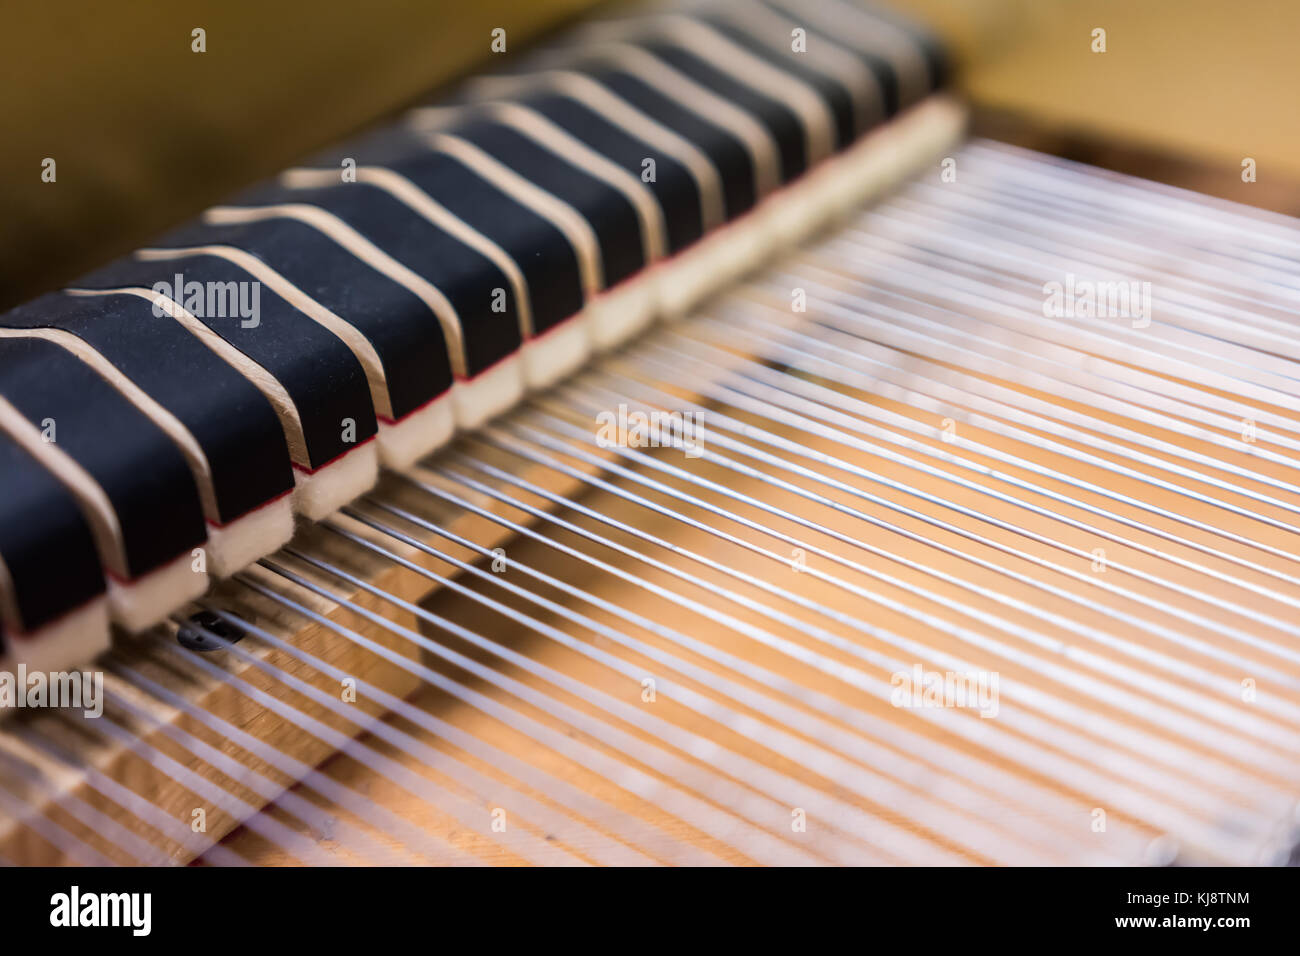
(696, 433)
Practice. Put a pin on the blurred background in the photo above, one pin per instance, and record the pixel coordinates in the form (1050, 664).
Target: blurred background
(145, 132)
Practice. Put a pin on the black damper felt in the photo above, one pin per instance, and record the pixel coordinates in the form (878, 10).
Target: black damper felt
(318, 371)
(728, 153)
(401, 329)
(231, 420)
(781, 121)
(673, 186)
(466, 277)
(144, 475)
(610, 213)
(44, 540)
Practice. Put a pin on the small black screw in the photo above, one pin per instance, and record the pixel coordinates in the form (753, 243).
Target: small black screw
(197, 635)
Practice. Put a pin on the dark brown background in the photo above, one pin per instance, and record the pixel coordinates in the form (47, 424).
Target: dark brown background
(146, 132)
